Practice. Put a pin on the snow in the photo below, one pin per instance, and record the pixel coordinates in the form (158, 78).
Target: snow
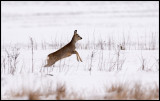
(55, 20)
(53, 23)
(81, 82)
(76, 75)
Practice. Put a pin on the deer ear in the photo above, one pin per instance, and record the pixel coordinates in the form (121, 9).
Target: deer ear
(75, 32)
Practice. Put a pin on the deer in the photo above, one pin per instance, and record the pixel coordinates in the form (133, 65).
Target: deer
(66, 51)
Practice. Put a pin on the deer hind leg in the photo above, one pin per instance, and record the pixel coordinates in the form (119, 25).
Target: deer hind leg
(49, 64)
(78, 57)
(50, 61)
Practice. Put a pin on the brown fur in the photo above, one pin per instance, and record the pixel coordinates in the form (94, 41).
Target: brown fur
(65, 51)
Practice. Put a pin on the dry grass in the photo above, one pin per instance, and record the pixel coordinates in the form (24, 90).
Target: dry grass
(48, 93)
(137, 92)
(60, 91)
(115, 92)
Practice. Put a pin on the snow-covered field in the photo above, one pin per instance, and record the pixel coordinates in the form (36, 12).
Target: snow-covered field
(107, 71)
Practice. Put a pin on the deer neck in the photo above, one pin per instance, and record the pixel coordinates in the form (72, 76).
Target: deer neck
(73, 41)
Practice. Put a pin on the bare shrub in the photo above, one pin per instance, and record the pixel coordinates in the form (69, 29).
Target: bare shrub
(143, 63)
(43, 45)
(101, 61)
(109, 43)
(118, 61)
(90, 66)
(152, 43)
(156, 64)
(32, 51)
(12, 57)
(3, 65)
(101, 43)
(111, 64)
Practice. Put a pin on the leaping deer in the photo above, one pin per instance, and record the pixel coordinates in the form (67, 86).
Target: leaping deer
(65, 51)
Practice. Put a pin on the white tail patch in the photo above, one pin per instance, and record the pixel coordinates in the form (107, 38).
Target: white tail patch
(47, 61)
(47, 57)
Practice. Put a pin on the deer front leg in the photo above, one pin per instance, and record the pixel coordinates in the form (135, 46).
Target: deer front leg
(78, 57)
(75, 52)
